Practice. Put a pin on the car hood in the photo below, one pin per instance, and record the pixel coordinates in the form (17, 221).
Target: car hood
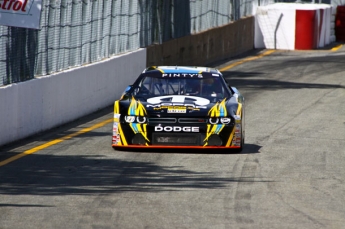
(179, 105)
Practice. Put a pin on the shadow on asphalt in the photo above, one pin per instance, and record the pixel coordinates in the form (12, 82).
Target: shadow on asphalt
(260, 78)
(247, 149)
(90, 175)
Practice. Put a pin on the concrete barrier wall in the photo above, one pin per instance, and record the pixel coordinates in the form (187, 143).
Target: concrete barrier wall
(40, 104)
(206, 47)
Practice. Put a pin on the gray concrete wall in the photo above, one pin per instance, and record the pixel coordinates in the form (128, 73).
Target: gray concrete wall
(206, 47)
(33, 106)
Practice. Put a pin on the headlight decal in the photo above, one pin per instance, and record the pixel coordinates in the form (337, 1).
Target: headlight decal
(129, 118)
(218, 110)
(137, 109)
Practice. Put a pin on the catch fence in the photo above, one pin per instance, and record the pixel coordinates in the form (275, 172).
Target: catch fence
(77, 32)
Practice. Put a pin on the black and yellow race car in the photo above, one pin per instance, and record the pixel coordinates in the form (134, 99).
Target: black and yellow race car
(179, 107)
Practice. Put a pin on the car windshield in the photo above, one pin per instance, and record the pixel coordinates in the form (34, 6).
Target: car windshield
(210, 87)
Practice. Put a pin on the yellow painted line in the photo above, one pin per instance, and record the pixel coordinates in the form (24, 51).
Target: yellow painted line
(336, 48)
(54, 142)
(268, 52)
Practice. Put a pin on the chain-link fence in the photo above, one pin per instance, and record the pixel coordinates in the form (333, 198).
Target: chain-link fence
(77, 32)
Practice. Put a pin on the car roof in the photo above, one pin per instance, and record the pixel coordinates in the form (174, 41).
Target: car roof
(182, 69)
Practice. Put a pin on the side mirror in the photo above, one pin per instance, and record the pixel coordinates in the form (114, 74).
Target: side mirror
(238, 94)
(128, 88)
(234, 89)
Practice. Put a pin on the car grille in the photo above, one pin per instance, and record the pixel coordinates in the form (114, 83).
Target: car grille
(176, 139)
(162, 120)
(192, 120)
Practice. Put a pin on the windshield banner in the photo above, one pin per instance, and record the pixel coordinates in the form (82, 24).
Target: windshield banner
(21, 13)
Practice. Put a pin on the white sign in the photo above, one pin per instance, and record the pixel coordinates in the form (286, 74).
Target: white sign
(21, 13)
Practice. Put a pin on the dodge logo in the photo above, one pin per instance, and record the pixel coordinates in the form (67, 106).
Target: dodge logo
(177, 128)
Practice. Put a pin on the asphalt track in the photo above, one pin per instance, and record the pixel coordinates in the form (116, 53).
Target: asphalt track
(291, 173)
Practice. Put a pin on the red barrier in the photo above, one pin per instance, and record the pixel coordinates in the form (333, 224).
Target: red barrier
(340, 24)
(306, 34)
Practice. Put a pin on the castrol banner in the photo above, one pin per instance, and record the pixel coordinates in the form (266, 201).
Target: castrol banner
(21, 13)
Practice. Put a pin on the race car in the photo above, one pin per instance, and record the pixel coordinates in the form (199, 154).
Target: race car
(179, 107)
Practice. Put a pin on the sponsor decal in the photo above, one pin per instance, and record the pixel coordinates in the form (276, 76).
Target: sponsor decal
(237, 118)
(183, 75)
(116, 139)
(173, 108)
(117, 117)
(163, 139)
(20, 13)
(237, 128)
(116, 134)
(13, 5)
(177, 128)
(177, 110)
(235, 136)
(115, 128)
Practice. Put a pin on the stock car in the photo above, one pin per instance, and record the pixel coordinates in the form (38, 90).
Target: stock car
(179, 107)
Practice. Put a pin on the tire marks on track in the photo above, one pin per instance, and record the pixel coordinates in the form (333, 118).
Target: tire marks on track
(243, 192)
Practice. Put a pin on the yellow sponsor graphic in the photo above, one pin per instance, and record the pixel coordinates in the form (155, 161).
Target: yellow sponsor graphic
(136, 108)
(213, 129)
(116, 107)
(122, 137)
(177, 109)
(218, 110)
